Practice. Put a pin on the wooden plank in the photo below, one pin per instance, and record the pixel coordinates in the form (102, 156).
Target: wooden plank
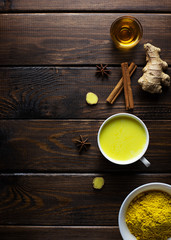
(62, 233)
(2, 5)
(66, 199)
(75, 38)
(48, 146)
(81, 5)
(37, 92)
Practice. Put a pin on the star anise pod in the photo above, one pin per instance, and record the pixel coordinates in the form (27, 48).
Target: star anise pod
(82, 143)
(102, 70)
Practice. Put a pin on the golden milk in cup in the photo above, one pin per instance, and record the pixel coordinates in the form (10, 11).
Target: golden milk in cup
(123, 139)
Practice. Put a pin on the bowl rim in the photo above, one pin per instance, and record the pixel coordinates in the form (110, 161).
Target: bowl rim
(130, 161)
(124, 231)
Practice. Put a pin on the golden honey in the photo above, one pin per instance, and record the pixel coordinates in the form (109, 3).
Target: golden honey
(126, 32)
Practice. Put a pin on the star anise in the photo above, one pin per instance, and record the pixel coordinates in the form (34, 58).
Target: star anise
(82, 143)
(102, 70)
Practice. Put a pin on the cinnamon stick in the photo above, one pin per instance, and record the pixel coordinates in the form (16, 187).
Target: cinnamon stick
(127, 86)
(118, 88)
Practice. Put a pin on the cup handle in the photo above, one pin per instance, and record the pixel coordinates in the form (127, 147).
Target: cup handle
(145, 161)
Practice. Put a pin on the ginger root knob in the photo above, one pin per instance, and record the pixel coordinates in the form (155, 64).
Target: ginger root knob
(154, 77)
(98, 182)
(91, 98)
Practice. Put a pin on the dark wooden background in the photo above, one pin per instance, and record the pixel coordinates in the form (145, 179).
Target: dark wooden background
(48, 56)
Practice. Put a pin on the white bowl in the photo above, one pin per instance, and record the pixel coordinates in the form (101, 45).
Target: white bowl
(125, 233)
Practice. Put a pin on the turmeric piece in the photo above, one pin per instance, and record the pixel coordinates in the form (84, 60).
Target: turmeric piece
(148, 216)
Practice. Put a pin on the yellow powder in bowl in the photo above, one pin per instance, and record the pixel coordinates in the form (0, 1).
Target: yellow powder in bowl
(148, 216)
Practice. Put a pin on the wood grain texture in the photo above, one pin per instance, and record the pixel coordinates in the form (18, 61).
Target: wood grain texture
(63, 200)
(48, 146)
(45, 184)
(81, 5)
(62, 233)
(75, 38)
(2, 6)
(39, 92)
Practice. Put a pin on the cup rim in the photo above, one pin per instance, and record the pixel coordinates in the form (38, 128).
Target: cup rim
(123, 228)
(124, 162)
(130, 17)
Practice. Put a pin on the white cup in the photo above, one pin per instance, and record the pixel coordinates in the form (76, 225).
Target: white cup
(134, 159)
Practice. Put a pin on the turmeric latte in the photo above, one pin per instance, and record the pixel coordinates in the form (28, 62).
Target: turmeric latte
(148, 216)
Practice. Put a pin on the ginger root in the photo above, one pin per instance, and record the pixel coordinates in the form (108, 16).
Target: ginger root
(91, 98)
(98, 182)
(154, 77)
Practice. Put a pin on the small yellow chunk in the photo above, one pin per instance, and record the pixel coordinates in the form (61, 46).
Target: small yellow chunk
(98, 182)
(91, 98)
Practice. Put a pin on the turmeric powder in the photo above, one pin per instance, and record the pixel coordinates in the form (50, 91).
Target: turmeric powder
(148, 216)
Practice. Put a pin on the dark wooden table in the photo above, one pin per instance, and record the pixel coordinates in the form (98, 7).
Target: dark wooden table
(48, 56)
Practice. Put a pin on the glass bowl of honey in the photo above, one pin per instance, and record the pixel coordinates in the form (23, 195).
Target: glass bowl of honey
(126, 32)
